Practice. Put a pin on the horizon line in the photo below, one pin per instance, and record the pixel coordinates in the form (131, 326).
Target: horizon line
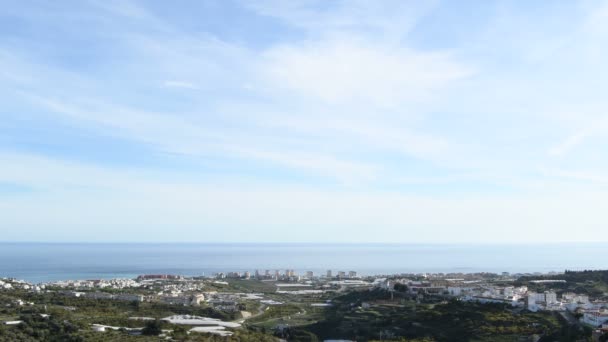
(308, 242)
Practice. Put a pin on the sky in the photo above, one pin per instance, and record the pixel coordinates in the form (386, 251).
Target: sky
(304, 121)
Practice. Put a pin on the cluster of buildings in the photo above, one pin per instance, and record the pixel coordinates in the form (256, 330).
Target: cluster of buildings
(288, 275)
(168, 289)
(14, 284)
(341, 275)
(5, 284)
(175, 287)
(594, 313)
(596, 318)
(177, 290)
(116, 284)
(159, 277)
(185, 299)
(168, 297)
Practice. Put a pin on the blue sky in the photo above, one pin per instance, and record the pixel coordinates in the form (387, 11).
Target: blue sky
(304, 121)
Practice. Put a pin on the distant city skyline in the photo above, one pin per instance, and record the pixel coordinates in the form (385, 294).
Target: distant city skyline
(304, 121)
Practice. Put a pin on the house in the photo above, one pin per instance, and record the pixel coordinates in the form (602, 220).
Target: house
(595, 318)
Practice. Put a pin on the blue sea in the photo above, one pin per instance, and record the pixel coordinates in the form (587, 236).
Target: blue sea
(41, 262)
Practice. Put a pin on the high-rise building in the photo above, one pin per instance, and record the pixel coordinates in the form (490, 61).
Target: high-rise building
(328, 275)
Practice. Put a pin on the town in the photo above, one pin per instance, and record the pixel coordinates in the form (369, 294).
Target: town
(277, 302)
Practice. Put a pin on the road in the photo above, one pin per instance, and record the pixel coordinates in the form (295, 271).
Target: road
(261, 310)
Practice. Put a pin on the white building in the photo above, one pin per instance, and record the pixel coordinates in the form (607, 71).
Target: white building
(455, 290)
(98, 295)
(583, 299)
(184, 299)
(534, 300)
(129, 297)
(568, 297)
(595, 318)
(534, 297)
(550, 297)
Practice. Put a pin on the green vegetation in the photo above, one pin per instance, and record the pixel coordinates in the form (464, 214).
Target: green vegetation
(376, 315)
(277, 312)
(71, 319)
(361, 315)
(592, 283)
(449, 321)
(37, 328)
(152, 328)
(241, 285)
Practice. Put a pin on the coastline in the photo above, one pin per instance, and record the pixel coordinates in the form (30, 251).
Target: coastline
(59, 261)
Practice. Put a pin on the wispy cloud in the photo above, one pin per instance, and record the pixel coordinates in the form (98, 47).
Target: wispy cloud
(597, 127)
(354, 72)
(391, 18)
(77, 197)
(578, 175)
(180, 84)
(346, 115)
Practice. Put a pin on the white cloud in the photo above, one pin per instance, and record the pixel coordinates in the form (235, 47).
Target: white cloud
(369, 132)
(592, 177)
(352, 73)
(357, 72)
(597, 127)
(382, 19)
(123, 202)
(354, 53)
(569, 143)
(347, 101)
(347, 172)
(173, 134)
(180, 84)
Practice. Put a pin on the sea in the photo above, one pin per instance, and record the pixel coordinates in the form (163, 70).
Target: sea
(44, 262)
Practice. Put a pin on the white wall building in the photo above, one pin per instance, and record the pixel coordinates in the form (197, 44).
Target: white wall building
(550, 297)
(595, 318)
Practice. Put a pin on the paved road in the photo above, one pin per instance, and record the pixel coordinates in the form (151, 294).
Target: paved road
(261, 310)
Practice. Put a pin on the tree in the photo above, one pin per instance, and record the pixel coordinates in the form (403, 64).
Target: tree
(400, 287)
(152, 328)
(180, 332)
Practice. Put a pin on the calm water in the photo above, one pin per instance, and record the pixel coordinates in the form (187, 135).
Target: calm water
(38, 262)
